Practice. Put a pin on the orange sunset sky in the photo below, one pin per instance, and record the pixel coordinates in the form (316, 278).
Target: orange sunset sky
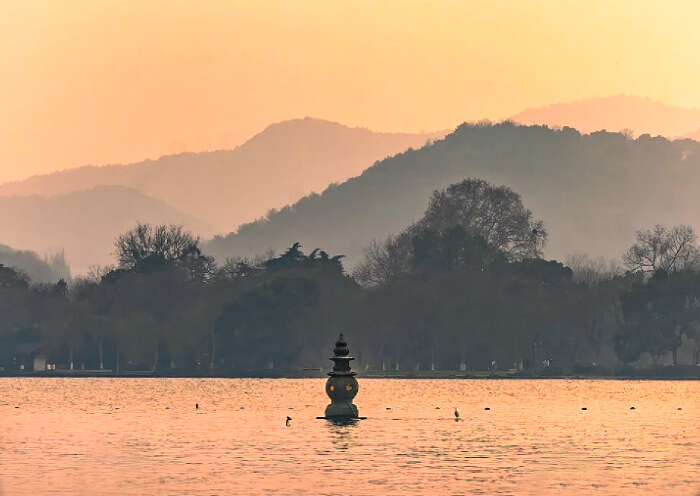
(120, 81)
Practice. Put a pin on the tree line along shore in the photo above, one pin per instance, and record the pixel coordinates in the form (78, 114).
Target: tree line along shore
(462, 292)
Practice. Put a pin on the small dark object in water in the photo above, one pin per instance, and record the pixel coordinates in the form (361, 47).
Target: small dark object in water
(437, 407)
(680, 408)
(487, 408)
(288, 419)
(584, 408)
(632, 408)
(18, 407)
(388, 408)
(196, 406)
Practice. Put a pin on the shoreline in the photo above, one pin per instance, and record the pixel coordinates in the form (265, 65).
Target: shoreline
(302, 375)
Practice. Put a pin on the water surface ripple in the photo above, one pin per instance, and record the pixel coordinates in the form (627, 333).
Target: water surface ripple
(144, 436)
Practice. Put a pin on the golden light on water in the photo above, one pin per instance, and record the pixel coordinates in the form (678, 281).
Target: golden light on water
(144, 436)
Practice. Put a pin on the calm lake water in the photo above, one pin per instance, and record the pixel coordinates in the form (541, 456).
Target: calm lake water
(144, 436)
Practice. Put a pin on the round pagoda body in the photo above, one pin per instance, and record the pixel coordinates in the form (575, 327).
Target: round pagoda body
(341, 386)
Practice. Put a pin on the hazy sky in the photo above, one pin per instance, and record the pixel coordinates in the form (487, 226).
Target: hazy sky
(118, 81)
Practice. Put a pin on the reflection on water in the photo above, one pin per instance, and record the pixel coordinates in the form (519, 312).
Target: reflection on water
(342, 432)
(145, 436)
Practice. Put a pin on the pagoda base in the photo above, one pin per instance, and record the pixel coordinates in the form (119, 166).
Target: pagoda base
(342, 410)
(342, 420)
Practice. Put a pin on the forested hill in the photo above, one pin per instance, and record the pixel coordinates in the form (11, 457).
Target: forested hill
(593, 191)
(225, 188)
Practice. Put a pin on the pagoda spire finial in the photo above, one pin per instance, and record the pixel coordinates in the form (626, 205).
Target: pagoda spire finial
(341, 357)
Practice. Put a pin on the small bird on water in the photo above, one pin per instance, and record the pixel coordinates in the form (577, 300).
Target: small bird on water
(288, 419)
(456, 413)
(196, 406)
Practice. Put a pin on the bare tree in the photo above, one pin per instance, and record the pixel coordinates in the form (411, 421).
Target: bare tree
(236, 267)
(383, 260)
(96, 272)
(627, 133)
(147, 246)
(170, 242)
(592, 271)
(662, 248)
(496, 213)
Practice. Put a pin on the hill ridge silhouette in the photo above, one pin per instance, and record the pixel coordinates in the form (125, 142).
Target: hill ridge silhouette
(83, 224)
(615, 113)
(592, 190)
(304, 155)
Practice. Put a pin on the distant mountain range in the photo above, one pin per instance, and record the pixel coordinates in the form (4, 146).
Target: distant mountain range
(276, 167)
(641, 115)
(592, 191)
(83, 223)
(84, 209)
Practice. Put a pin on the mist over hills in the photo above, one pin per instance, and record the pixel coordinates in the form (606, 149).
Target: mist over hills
(49, 270)
(591, 190)
(694, 136)
(84, 223)
(274, 168)
(614, 114)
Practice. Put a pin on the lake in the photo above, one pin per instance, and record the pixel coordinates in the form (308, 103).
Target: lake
(109, 436)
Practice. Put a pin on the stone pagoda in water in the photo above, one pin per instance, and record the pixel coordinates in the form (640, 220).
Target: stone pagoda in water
(341, 386)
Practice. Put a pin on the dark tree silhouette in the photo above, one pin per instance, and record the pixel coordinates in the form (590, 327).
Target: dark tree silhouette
(147, 247)
(469, 223)
(665, 249)
(495, 213)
